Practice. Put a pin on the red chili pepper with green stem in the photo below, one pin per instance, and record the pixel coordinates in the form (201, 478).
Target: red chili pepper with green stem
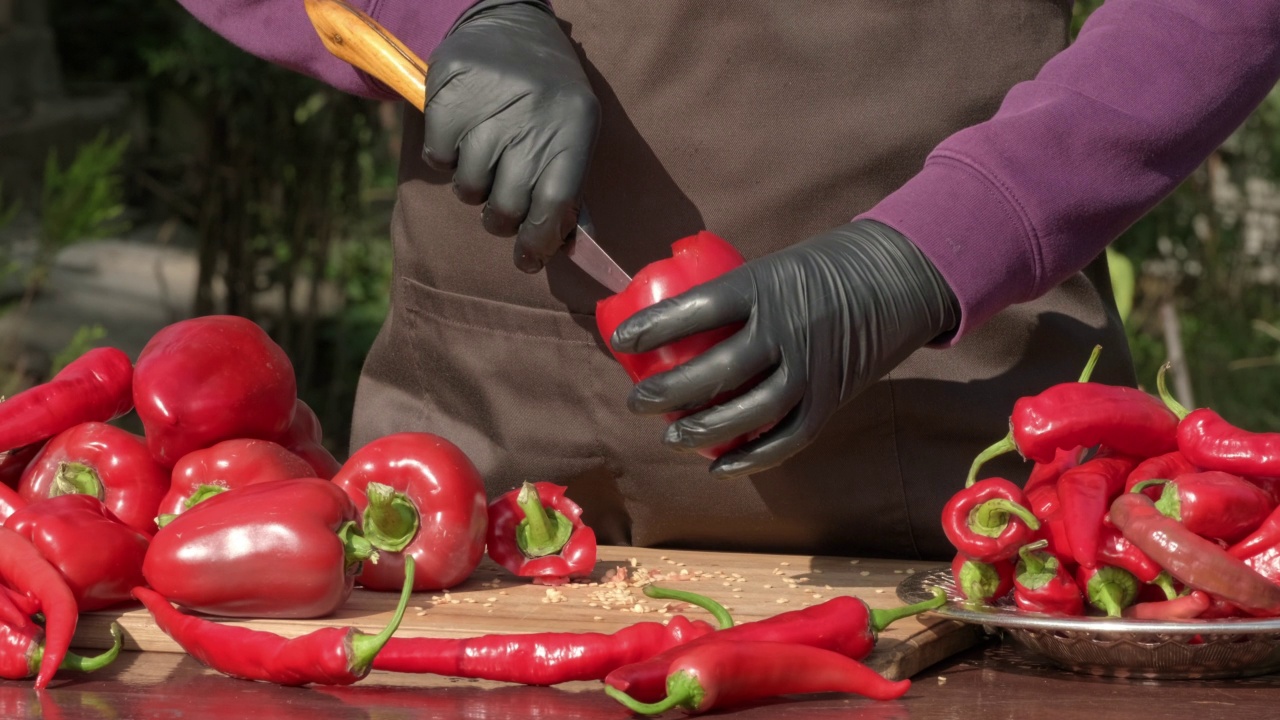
(1109, 589)
(1212, 504)
(1041, 583)
(989, 520)
(22, 653)
(1115, 549)
(23, 569)
(328, 656)
(1085, 493)
(1212, 443)
(96, 387)
(229, 464)
(537, 532)
(982, 583)
(1168, 465)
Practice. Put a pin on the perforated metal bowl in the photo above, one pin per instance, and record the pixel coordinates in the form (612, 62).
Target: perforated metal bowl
(1116, 647)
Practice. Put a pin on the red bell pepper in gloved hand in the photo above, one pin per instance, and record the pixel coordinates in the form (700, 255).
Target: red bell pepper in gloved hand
(208, 379)
(286, 549)
(1109, 589)
(989, 520)
(1213, 504)
(106, 463)
(694, 260)
(1183, 607)
(982, 583)
(23, 569)
(1168, 465)
(304, 438)
(229, 464)
(95, 387)
(1199, 563)
(1115, 549)
(536, 532)
(328, 656)
(21, 652)
(417, 495)
(99, 556)
(1085, 493)
(1041, 583)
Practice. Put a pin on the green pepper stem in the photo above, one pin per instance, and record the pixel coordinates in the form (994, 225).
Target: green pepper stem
(1139, 487)
(1003, 446)
(202, 493)
(1088, 367)
(1169, 401)
(1031, 561)
(391, 520)
(1170, 502)
(80, 663)
(991, 517)
(165, 519)
(1164, 581)
(539, 532)
(683, 691)
(76, 478)
(722, 615)
(542, 532)
(880, 619)
(364, 648)
(356, 547)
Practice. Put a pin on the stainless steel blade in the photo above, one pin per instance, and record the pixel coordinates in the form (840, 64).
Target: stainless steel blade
(587, 254)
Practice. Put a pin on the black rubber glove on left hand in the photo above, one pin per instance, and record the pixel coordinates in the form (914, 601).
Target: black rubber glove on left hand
(510, 110)
(824, 319)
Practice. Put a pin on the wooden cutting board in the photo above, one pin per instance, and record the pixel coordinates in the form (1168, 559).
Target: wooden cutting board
(492, 601)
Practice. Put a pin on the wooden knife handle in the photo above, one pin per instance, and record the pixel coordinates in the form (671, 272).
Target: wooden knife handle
(356, 38)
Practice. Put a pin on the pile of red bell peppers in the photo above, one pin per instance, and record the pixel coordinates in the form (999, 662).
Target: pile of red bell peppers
(1134, 507)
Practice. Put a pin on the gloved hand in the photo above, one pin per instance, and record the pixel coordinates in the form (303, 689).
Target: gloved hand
(824, 319)
(510, 110)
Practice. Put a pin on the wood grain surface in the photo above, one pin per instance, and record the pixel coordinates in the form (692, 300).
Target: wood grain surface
(493, 601)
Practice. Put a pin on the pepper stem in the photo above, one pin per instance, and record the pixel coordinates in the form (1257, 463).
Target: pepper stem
(80, 663)
(1139, 487)
(391, 520)
(76, 478)
(722, 616)
(356, 547)
(990, 518)
(883, 618)
(1164, 581)
(683, 691)
(364, 648)
(1088, 367)
(1032, 563)
(165, 519)
(1169, 401)
(1003, 446)
(542, 532)
(1170, 502)
(202, 493)
(1112, 589)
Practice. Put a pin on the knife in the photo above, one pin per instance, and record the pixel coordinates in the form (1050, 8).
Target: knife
(351, 35)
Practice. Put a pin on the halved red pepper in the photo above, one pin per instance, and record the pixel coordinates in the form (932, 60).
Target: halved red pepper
(229, 464)
(285, 549)
(982, 583)
(208, 379)
(417, 495)
(989, 520)
(1213, 504)
(694, 260)
(1041, 583)
(105, 462)
(537, 532)
(305, 438)
(99, 556)
(1085, 493)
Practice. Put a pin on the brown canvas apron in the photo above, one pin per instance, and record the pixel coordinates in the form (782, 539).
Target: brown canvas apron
(764, 122)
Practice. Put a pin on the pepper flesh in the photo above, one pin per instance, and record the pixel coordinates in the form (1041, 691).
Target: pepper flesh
(96, 387)
(23, 569)
(229, 464)
(574, 558)
(988, 521)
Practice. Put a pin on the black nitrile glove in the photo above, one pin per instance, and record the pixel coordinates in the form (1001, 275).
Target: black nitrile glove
(510, 109)
(824, 319)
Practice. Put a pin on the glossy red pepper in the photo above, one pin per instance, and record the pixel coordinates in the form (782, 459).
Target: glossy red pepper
(328, 656)
(1109, 589)
(99, 557)
(1047, 473)
(10, 502)
(537, 532)
(305, 438)
(14, 462)
(982, 583)
(208, 379)
(1041, 583)
(1085, 492)
(1212, 443)
(1213, 504)
(22, 652)
(22, 568)
(1261, 549)
(1043, 502)
(417, 495)
(694, 260)
(95, 387)
(104, 462)
(1199, 563)
(286, 549)
(1168, 465)
(1184, 607)
(1115, 549)
(989, 520)
(229, 464)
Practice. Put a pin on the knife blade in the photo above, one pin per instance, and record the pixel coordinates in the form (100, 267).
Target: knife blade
(587, 254)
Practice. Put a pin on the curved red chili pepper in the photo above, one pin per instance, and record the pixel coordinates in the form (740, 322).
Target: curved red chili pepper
(305, 438)
(1213, 504)
(328, 656)
(1085, 492)
(1168, 465)
(229, 464)
(989, 520)
(1183, 607)
(1212, 443)
(96, 387)
(1196, 562)
(23, 569)
(1043, 584)
(21, 652)
(537, 532)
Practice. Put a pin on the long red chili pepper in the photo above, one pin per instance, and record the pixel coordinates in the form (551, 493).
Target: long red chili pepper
(1213, 504)
(1168, 465)
(1198, 563)
(1045, 505)
(1183, 607)
(95, 387)
(989, 521)
(328, 656)
(1085, 492)
(21, 652)
(844, 624)
(1212, 443)
(1042, 584)
(23, 569)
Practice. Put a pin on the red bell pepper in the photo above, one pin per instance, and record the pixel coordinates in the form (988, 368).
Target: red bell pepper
(208, 379)
(1085, 492)
(1168, 465)
(105, 462)
(989, 520)
(286, 549)
(418, 495)
(95, 387)
(982, 583)
(14, 462)
(99, 556)
(694, 260)
(1041, 583)
(305, 437)
(1213, 504)
(1109, 589)
(229, 464)
(536, 532)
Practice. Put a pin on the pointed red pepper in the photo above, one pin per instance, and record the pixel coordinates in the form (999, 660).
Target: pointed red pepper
(1045, 505)
(305, 438)
(989, 520)
(1047, 473)
(1261, 549)
(1212, 443)
(1115, 549)
(1041, 583)
(229, 464)
(96, 387)
(1085, 492)
(1213, 504)
(537, 532)
(982, 583)
(1184, 607)
(22, 652)
(1168, 465)
(23, 569)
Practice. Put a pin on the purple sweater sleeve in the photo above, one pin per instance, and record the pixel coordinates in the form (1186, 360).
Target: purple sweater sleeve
(1011, 207)
(280, 32)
